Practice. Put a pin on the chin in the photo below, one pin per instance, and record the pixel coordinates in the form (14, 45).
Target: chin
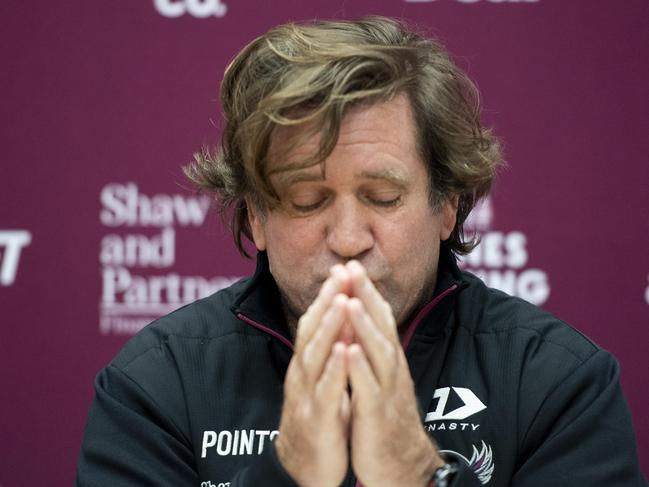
(299, 302)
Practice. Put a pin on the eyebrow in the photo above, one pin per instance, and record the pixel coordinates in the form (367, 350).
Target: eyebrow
(288, 177)
(390, 175)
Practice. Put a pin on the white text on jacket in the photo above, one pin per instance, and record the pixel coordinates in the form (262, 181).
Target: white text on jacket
(237, 442)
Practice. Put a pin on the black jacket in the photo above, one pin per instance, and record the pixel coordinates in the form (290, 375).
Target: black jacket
(513, 393)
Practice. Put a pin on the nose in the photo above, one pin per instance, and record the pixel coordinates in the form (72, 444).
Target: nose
(349, 230)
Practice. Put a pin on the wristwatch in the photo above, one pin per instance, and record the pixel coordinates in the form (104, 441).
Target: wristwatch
(443, 475)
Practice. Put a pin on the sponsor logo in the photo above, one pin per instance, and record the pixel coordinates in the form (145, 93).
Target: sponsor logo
(471, 404)
(12, 243)
(209, 483)
(466, 405)
(501, 259)
(236, 442)
(481, 461)
(142, 241)
(196, 8)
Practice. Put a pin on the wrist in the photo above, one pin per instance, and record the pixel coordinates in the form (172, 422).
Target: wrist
(430, 463)
(284, 457)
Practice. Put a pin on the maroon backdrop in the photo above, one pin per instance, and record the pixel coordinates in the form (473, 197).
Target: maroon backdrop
(102, 102)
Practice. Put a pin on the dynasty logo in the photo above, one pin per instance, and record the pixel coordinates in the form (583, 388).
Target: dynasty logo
(468, 405)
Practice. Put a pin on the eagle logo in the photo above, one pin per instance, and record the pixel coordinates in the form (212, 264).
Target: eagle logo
(481, 461)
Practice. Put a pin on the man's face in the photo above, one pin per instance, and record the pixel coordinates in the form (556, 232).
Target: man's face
(372, 205)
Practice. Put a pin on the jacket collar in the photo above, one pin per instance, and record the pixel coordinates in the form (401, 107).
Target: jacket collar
(432, 318)
(260, 305)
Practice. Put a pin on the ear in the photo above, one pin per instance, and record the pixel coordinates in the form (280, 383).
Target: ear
(256, 221)
(448, 215)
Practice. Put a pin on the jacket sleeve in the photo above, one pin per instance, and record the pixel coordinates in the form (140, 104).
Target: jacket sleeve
(129, 441)
(582, 433)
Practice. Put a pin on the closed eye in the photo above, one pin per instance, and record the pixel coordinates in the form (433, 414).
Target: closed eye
(385, 203)
(307, 201)
(304, 198)
(385, 199)
(306, 208)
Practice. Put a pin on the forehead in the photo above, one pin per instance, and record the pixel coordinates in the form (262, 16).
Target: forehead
(382, 133)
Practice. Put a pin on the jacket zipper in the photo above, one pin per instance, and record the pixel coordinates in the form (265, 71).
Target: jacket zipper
(414, 324)
(267, 330)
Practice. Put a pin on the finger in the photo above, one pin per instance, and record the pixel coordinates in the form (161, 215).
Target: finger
(341, 274)
(366, 390)
(293, 383)
(379, 350)
(310, 320)
(332, 385)
(316, 351)
(378, 308)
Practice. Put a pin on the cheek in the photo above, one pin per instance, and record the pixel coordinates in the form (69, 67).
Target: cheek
(291, 241)
(293, 249)
(411, 236)
(410, 248)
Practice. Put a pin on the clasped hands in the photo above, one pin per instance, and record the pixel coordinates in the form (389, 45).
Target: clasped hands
(348, 339)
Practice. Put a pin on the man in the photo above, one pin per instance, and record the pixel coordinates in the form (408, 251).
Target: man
(358, 352)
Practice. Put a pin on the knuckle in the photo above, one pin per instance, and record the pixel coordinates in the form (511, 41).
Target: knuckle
(391, 321)
(389, 352)
(404, 363)
(294, 377)
(370, 406)
(302, 325)
(305, 411)
(289, 387)
(307, 355)
(292, 370)
(317, 407)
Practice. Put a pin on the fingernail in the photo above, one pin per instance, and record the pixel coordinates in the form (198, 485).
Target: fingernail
(357, 268)
(340, 300)
(336, 270)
